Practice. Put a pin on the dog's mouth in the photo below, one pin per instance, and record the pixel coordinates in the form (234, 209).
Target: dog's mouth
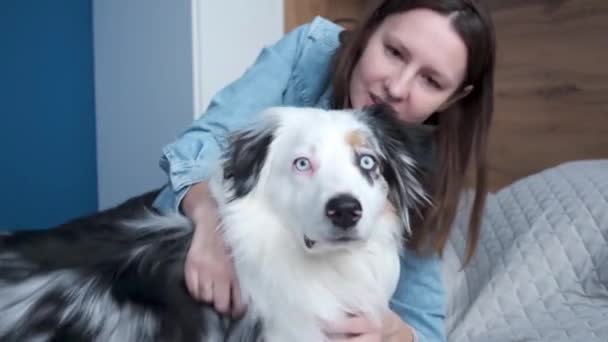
(310, 243)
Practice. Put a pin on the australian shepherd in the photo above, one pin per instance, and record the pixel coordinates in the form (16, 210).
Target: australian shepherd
(315, 207)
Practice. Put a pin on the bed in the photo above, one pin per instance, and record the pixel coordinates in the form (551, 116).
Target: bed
(541, 270)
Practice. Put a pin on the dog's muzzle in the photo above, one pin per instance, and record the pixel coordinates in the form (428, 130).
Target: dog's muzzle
(343, 211)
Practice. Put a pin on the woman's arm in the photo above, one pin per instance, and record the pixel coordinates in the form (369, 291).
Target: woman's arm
(194, 154)
(189, 160)
(420, 296)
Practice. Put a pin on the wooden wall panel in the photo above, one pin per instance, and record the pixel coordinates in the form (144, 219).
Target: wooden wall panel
(551, 85)
(298, 12)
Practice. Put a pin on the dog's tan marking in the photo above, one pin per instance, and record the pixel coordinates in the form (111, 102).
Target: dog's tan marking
(356, 139)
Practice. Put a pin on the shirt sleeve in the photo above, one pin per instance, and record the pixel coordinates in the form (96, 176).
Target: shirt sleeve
(194, 154)
(420, 296)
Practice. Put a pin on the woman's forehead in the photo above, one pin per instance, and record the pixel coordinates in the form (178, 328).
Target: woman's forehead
(429, 36)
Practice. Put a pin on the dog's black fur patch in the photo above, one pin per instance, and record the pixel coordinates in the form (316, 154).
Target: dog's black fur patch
(245, 157)
(139, 268)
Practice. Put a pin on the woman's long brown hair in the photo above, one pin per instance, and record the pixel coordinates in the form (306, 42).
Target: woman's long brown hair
(462, 129)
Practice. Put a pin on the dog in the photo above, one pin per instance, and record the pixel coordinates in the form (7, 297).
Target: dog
(315, 206)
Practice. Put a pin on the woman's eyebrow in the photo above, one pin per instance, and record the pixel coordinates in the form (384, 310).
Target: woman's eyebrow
(444, 78)
(436, 72)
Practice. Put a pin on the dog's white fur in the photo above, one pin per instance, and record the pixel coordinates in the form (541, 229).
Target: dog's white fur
(296, 289)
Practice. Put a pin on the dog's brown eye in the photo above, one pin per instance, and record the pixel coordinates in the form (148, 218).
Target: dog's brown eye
(302, 164)
(367, 162)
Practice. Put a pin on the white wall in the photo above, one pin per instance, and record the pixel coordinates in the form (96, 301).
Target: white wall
(157, 64)
(143, 90)
(229, 35)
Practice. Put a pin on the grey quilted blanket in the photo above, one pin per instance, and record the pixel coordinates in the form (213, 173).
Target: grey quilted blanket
(541, 271)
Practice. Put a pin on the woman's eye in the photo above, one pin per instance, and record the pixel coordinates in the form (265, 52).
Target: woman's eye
(367, 162)
(432, 82)
(302, 164)
(392, 51)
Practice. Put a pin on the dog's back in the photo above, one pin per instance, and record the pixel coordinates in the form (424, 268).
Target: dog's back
(113, 276)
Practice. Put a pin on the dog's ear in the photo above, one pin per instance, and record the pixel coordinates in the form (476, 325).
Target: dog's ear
(246, 154)
(408, 160)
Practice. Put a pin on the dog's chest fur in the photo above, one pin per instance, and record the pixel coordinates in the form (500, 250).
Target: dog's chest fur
(292, 291)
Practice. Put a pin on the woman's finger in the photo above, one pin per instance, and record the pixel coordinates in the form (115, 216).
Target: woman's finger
(192, 283)
(238, 304)
(221, 296)
(358, 338)
(206, 290)
(355, 325)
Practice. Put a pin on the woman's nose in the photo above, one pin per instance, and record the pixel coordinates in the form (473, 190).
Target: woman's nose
(399, 85)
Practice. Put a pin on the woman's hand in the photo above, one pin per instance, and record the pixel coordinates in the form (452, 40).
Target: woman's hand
(209, 269)
(361, 329)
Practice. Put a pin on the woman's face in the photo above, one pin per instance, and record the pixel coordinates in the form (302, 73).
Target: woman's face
(414, 62)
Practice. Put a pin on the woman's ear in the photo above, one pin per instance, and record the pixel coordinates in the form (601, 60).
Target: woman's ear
(456, 97)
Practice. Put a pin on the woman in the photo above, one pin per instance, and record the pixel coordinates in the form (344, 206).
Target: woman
(433, 62)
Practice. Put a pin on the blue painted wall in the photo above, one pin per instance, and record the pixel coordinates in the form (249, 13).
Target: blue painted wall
(47, 126)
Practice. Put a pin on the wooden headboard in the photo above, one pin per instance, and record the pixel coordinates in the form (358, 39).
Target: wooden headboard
(551, 80)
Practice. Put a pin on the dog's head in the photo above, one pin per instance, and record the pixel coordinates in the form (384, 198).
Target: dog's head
(331, 175)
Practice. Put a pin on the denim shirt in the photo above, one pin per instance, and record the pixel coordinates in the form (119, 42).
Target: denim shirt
(295, 72)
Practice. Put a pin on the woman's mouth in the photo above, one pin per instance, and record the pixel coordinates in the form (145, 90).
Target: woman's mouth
(375, 99)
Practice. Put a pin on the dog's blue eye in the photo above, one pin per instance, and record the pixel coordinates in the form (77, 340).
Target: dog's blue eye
(301, 164)
(367, 162)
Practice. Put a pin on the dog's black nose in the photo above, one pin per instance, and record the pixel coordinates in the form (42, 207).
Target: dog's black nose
(343, 210)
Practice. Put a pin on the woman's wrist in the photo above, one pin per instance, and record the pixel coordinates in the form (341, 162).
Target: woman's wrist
(197, 202)
(407, 333)
(399, 331)
(193, 199)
